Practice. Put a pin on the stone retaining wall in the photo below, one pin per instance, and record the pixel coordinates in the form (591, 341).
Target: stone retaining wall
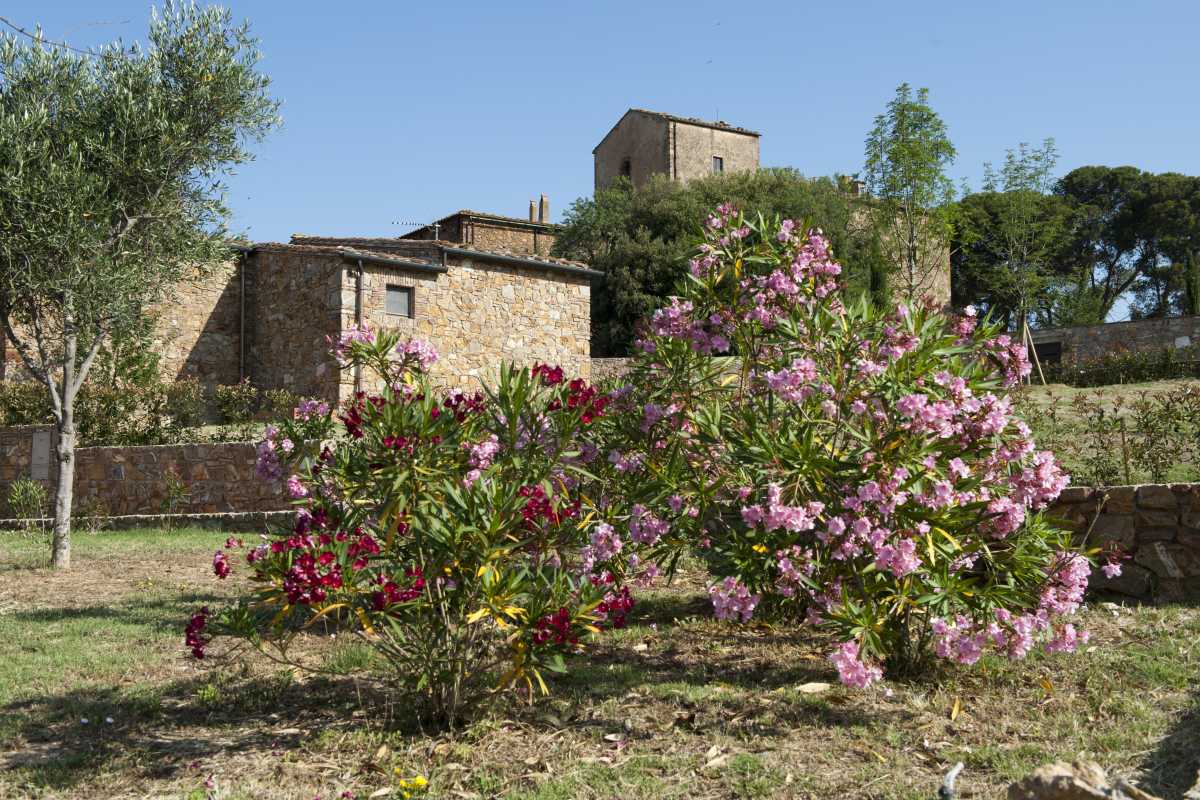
(216, 477)
(1158, 525)
(249, 521)
(118, 481)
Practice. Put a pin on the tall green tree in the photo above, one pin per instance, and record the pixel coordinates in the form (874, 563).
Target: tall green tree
(1008, 237)
(643, 238)
(1110, 243)
(908, 151)
(1170, 281)
(111, 167)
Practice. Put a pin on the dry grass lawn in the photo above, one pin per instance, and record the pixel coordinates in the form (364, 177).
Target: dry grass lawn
(676, 705)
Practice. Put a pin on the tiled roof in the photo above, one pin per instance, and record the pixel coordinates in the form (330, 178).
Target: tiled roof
(719, 124)
(466, 212)
(390, 248)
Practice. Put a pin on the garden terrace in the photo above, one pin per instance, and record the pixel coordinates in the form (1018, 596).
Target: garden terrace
(675, 705)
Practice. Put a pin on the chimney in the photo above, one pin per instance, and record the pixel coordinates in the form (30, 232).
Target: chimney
(544, 209)
(532, 212)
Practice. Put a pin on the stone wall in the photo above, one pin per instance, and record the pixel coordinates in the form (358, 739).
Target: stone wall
(512, 238)
(491, 232)
(479, 314)
(640, 138)
(1087, 342)
(217, 477)
(297, 302)
(609, 368)
(26, 451)
(692, 149)
(1159, 525)
(198, 331)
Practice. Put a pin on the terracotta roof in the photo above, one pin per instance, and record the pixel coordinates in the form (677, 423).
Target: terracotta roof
(718, 125)
(390, 248)
(466, 212)
(547, 260)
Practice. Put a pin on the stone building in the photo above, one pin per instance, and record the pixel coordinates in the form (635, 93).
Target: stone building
(645, 143)
(269, 313)
(534, 236)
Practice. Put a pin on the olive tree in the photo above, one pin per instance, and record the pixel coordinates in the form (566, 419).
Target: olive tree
(111, 192)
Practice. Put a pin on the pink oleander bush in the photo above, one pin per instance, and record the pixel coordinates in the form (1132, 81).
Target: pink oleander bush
(444, 529)
(851, 470)
(838, 468)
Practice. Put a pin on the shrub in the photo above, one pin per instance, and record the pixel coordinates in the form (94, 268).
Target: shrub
(278, 404)
(1106, 438)
(1127, 366)
(175, 492)
(439, 528)
(858, 471)
(185, 403)
(27, 499)
(237, 402)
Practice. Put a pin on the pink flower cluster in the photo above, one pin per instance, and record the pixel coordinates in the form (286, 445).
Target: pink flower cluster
(342, 346)
(1012, 357)
(852, 670)
(796, 382)
(776, 515)
(704, 336)
(900, 558)
(310, 409)
(417, 352)
(732, 600)
(479, 457)
(645, 527)
(267, 464)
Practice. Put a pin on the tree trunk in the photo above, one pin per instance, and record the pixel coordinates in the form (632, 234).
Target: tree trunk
(63, 498)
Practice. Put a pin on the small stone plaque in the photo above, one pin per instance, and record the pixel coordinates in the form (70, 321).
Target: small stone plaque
(1182, 342)
(39, 465)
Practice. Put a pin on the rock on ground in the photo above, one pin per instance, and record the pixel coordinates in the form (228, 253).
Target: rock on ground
(1083, 780)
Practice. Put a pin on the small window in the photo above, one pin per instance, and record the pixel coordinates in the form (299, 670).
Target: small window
(400, 301)
(627, 168)
(718, 164)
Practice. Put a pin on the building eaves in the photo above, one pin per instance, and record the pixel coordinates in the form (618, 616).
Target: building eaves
(350, 254)
(384, 250)
(560, 265)
(466, 212)
(720, 126)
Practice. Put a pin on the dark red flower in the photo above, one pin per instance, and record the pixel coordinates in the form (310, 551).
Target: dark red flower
(193, 633)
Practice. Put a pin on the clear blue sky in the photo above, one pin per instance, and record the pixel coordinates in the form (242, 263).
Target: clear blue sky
(408, 111)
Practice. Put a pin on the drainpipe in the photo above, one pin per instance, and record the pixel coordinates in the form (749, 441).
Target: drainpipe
(358, 319)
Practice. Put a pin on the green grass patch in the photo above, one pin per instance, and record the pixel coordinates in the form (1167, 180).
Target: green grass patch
(674, 706)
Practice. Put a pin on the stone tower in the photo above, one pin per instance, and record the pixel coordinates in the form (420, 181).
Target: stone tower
(645, 143)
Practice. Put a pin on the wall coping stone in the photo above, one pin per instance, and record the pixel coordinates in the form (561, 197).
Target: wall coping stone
(232, 520)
